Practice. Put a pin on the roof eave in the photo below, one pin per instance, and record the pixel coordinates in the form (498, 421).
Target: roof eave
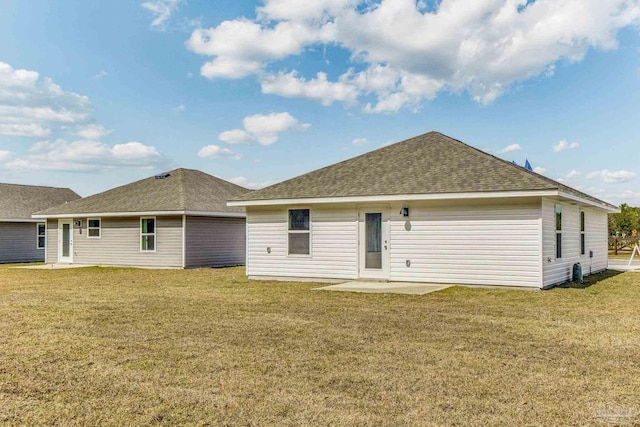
(602, 205)
(395, 197)
(140, 213)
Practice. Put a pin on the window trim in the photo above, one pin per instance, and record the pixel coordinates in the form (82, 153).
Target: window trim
(154, 234)
(99, 228)
(299, 232)
(38, 224)
(582, 219)
(558, 232)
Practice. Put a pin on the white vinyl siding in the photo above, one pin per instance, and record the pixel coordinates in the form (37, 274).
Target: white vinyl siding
(557, 271)
(481, 244)
(18, 242)
(120, 243)
(334, 244)
(215, 242)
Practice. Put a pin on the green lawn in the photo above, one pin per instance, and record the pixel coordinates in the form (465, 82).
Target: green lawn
(103, 346)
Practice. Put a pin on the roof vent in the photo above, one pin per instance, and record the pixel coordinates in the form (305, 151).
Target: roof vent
(163, 175)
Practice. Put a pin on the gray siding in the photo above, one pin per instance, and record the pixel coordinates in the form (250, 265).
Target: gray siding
(215, 242)
(52, 241)
(18, 242)
(119, 243)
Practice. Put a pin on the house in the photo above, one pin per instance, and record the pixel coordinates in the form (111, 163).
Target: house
(428, 209)
(176, 219)
(22, 238)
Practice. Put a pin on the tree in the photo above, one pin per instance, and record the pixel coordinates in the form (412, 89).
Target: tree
(627, 220)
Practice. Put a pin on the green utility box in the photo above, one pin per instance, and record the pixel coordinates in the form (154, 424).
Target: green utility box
(577, 272)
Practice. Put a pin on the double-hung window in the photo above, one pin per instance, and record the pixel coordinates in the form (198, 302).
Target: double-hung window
(94, 228)
(299, 232)
(41, 235)
(583, 245)
(558, 231)
(148, 234)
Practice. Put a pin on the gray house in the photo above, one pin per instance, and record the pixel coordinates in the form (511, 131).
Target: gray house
(178, 219)
(22, 238)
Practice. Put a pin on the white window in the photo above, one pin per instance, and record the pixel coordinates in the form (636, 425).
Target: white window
(583, 243)
(41, 235)
(299, 232)
(94, 228)
(148, 234)
(558, 231)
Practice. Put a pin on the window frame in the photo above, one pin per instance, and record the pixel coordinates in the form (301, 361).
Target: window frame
(38, 235)
(558, 231)
(308, 232)
(583, 227)
(154, 234)
(99, 228)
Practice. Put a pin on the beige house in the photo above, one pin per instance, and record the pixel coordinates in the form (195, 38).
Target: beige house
(22, 238)
(177, 219)
(428, 209)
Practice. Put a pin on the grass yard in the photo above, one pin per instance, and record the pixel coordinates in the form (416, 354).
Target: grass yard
(106, 346)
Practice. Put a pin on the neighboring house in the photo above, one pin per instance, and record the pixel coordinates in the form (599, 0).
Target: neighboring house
(428, 209)
(22, 238)
(176, 219)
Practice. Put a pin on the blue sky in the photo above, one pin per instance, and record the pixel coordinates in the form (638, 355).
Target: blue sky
(97, 94)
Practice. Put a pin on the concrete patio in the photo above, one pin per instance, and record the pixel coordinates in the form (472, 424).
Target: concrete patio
(406, 288)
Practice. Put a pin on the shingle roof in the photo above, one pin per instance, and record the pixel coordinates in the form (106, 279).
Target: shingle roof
(181, 190)
(431, 163)
(20, 201)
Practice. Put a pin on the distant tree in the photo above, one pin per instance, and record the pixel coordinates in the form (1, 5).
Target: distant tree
(626, 221)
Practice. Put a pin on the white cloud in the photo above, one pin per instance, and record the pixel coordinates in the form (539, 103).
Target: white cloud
(289, 85)
(161, 10)
(626, 195)
(92, 132)
(5, 155)
(263, 129)
(573, 174)
(611, 176)
(215, 151)
(100, 74)
(539, 170)
(179, 109)
(245, 182)
(359, 141)
(33, 106)
(510, 148)
(479, 47)
(565, 145)
(86, 156)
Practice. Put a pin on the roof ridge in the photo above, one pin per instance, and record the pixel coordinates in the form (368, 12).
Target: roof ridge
(36, 186)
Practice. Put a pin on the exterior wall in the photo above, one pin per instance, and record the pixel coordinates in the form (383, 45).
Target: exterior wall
(334, 244)
(18, 242)
(215, 242)
(119, 243)
(52, 241)
(561, 270)
(484, 243)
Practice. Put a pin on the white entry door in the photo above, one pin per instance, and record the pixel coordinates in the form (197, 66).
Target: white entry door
(373, 238)
(65, 240)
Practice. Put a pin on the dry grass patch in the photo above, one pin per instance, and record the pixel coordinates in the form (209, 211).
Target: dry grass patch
(208, 347)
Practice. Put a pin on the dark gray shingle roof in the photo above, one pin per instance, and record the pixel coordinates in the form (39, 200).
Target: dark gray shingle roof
(181, 190)
(20, 201)
(431, 163)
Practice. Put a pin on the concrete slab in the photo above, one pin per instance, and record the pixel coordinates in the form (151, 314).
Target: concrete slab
(623, 265)
(406, 288)
(51, 266)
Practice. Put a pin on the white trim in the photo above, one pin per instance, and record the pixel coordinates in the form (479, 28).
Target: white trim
(558, 232)
(33, 220)
(99, 236)
(412, 197)
(384, 271)
(38, 235)
(141, 213)
(582, 233)
(155, 234)
(184, 240)
(394, 198)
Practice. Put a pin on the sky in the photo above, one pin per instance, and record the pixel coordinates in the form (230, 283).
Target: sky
(97, 94)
